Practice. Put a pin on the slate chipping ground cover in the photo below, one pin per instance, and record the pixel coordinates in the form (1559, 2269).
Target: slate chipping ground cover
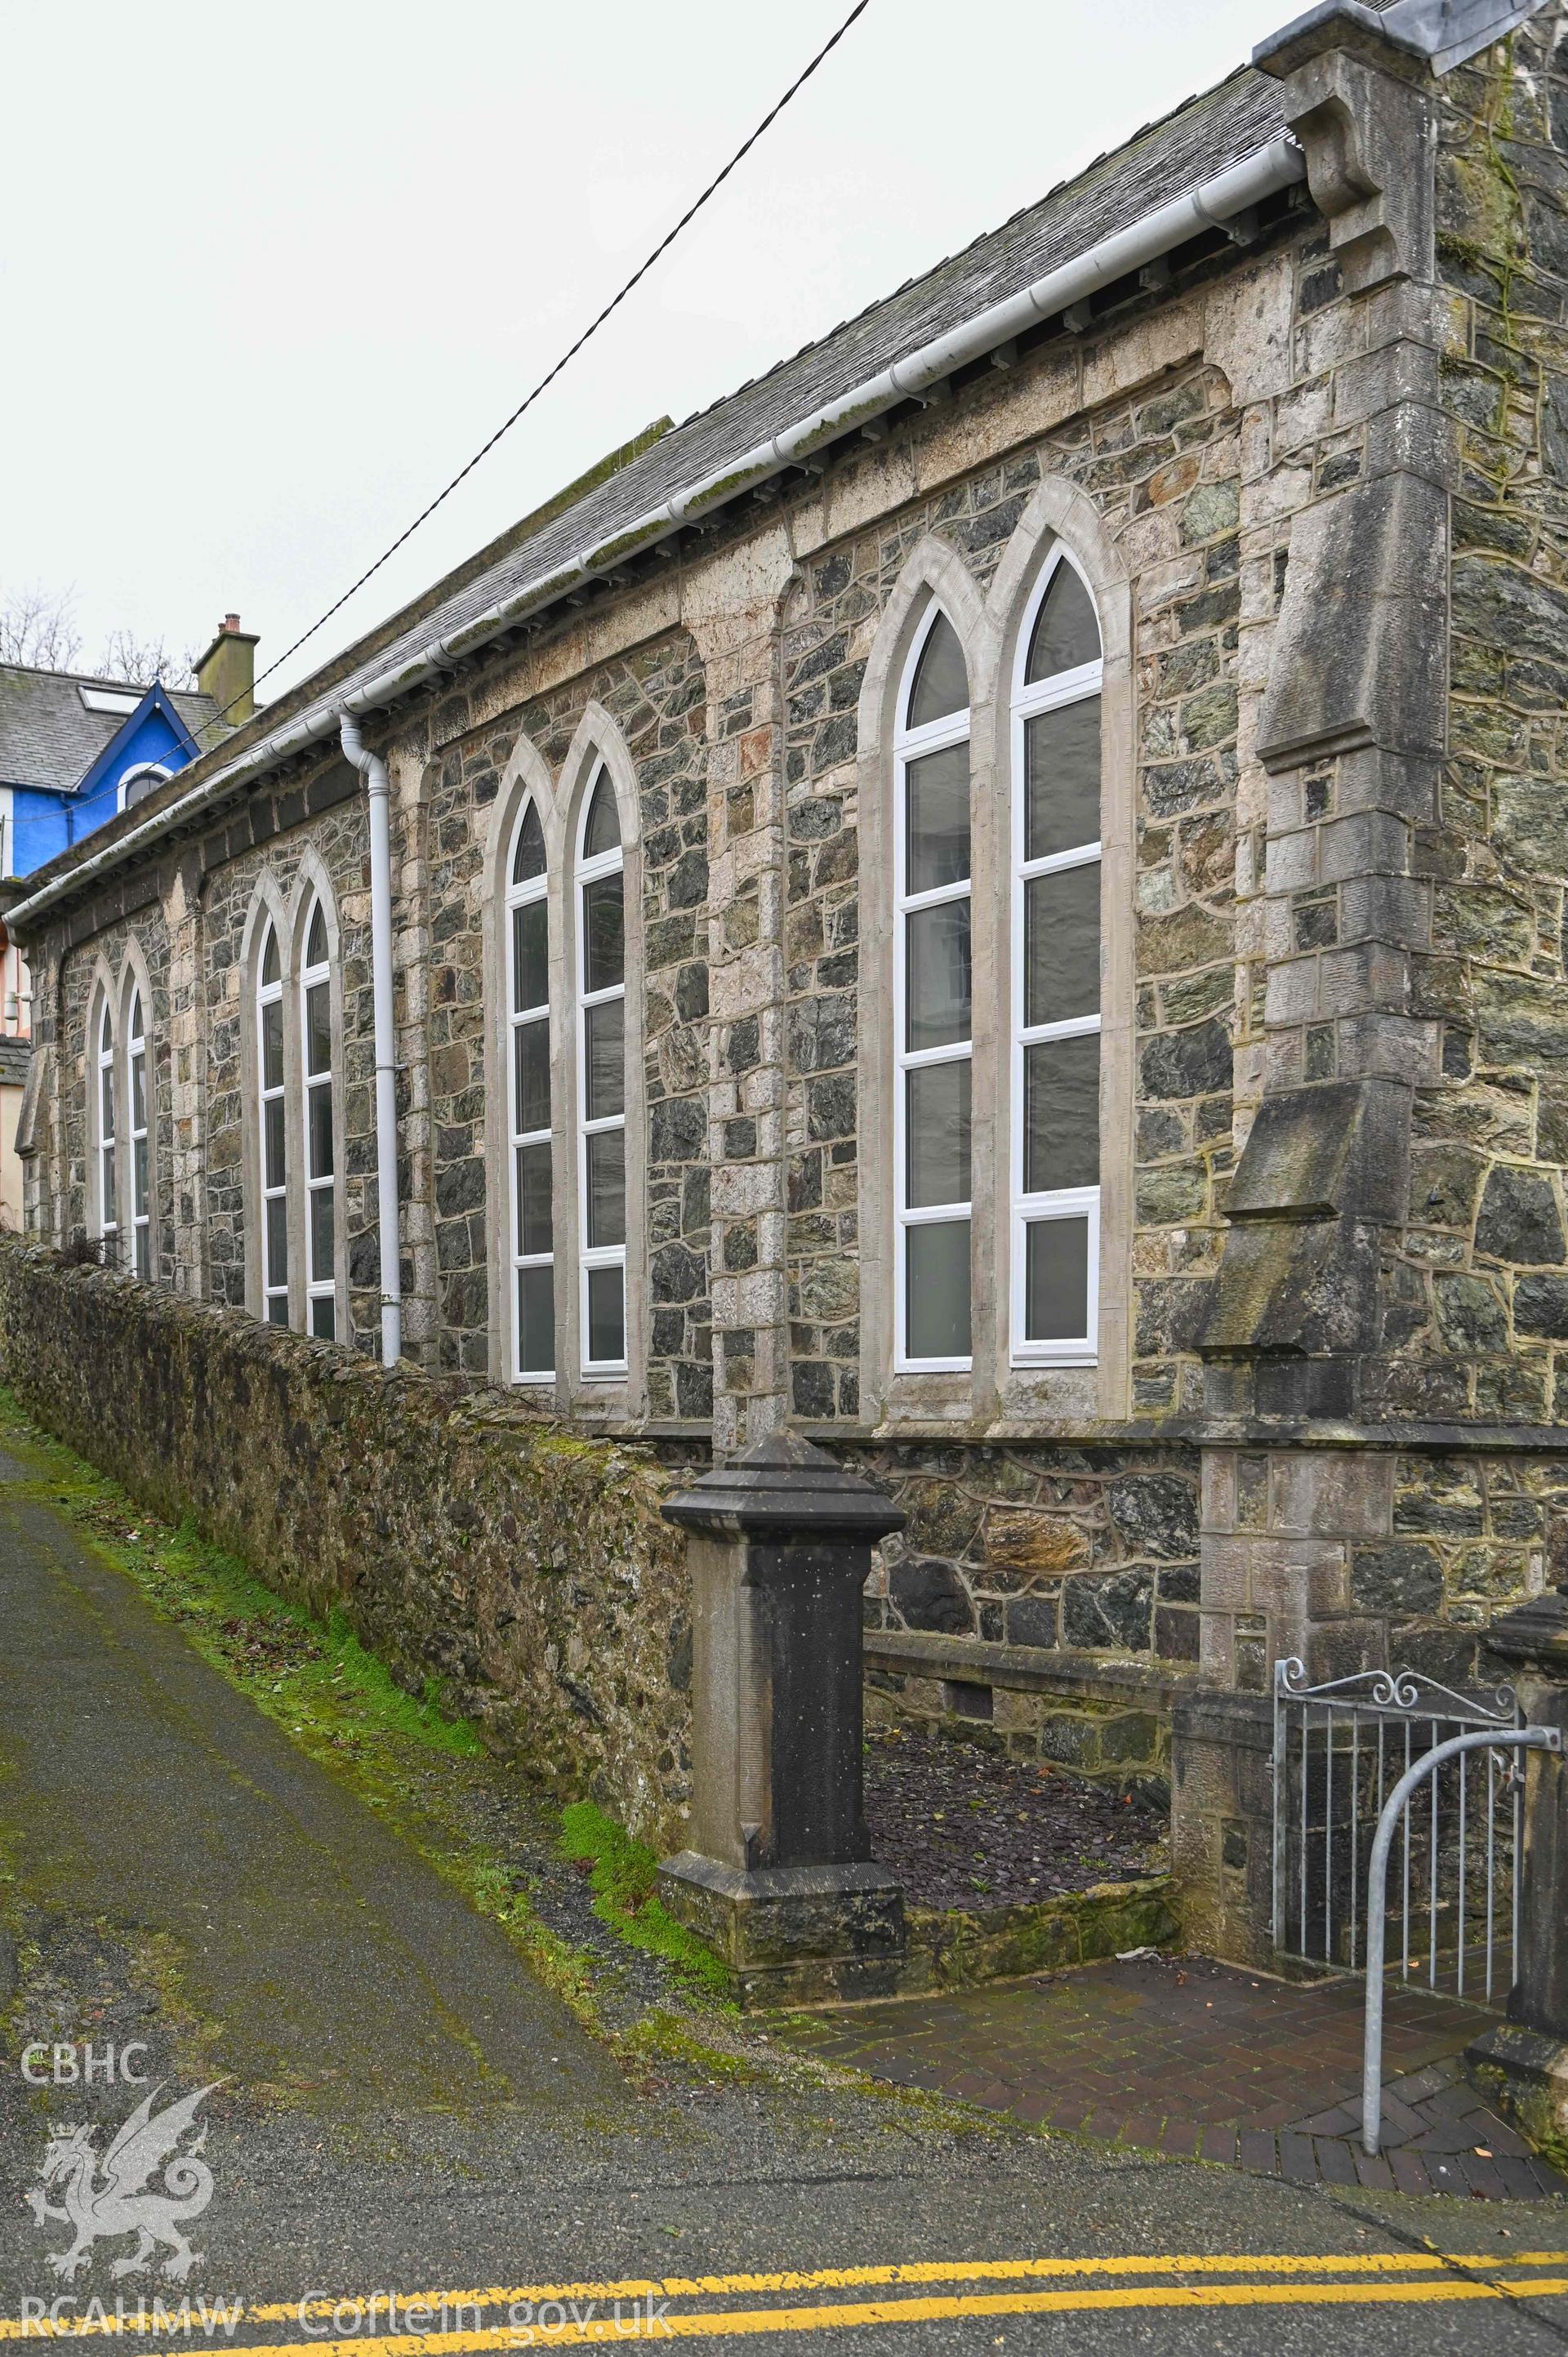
(962, 1826)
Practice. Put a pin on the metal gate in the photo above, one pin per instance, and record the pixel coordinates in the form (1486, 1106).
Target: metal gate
(1509, 1742)
(1452, 1891)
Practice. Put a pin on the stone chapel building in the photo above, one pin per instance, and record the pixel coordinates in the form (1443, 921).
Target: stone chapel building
(998, 896)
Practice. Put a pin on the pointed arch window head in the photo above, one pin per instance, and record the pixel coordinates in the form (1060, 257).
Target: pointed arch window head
(1067, 631)
(1056, 983)
(527, 858)
(529, 1063)
(274, 1141)
(601, 1082)
(940, 684)
(932, 1003)
(601, 829)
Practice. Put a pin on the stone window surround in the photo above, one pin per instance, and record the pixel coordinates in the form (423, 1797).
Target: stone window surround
(561, 803)
(291, 916)
(989, 627)
(113, 993)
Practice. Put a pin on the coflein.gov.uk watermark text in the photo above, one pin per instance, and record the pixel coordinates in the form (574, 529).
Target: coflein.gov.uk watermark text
(529, 2323)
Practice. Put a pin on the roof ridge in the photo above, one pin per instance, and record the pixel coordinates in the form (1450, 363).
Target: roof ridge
(101, 679)
(79, 678)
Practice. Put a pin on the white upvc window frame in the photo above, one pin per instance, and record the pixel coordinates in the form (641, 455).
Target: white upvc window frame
(518, 896)
(586, 871)
(911, 745)
(106, 1081)
(271, 994)
(318, 1288)
(139, 1170)
(1050, 694)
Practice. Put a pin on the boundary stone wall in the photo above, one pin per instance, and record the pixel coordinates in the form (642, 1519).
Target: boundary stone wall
(526, 1568)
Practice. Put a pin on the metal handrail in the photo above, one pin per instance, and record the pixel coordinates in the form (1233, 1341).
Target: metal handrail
(1513, 1739)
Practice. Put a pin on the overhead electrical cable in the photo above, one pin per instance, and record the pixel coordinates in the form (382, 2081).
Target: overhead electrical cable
(592, 330)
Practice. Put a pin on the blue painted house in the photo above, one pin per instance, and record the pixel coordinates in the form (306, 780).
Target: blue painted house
(75, 749)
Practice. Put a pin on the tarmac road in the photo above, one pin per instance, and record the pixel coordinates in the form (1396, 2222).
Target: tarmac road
(403, 2111)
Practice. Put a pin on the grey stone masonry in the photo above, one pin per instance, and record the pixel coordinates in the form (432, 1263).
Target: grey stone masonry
(1310, 466)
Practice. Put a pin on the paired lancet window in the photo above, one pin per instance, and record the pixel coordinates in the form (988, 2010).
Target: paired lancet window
(300, 1222)
(1050, 1034)
(122, 1098)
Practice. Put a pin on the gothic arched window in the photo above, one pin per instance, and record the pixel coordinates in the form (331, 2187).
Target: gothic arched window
(321, 1221)
(932, 1003)
(107, 1097)
(274, 1117)
(1055, 1247)
(601, 1079)
(531, 1155)
(138, 1111)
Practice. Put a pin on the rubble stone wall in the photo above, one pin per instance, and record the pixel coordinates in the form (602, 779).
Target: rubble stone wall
(525, 1570)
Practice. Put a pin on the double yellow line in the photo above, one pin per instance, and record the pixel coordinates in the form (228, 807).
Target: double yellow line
(1268, 2279)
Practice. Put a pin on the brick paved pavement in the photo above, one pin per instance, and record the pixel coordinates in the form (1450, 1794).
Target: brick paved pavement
(1187, 2057)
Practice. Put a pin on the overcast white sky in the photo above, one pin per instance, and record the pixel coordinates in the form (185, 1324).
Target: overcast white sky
(269, 275)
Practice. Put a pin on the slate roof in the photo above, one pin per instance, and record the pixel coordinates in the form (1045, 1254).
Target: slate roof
(1165, 159)
(1199, 139)
(15, 1055)
(48, 736)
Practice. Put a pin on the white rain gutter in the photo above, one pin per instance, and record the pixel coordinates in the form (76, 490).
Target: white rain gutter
(373, 770)
(1217, 200)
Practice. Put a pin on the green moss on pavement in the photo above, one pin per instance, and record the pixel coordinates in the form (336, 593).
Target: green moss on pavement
(621, 1873)
(408, 1757)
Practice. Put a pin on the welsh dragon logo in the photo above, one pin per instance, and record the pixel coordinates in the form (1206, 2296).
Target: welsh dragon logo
(111, 2198)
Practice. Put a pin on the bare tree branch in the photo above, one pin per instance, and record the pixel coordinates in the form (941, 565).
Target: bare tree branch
(141, 661)
(37, 627)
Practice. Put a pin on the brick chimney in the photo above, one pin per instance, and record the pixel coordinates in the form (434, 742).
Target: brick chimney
(227, 672)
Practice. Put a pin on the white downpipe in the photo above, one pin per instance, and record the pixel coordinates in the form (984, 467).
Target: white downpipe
(1217, 200)
(373, 770)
